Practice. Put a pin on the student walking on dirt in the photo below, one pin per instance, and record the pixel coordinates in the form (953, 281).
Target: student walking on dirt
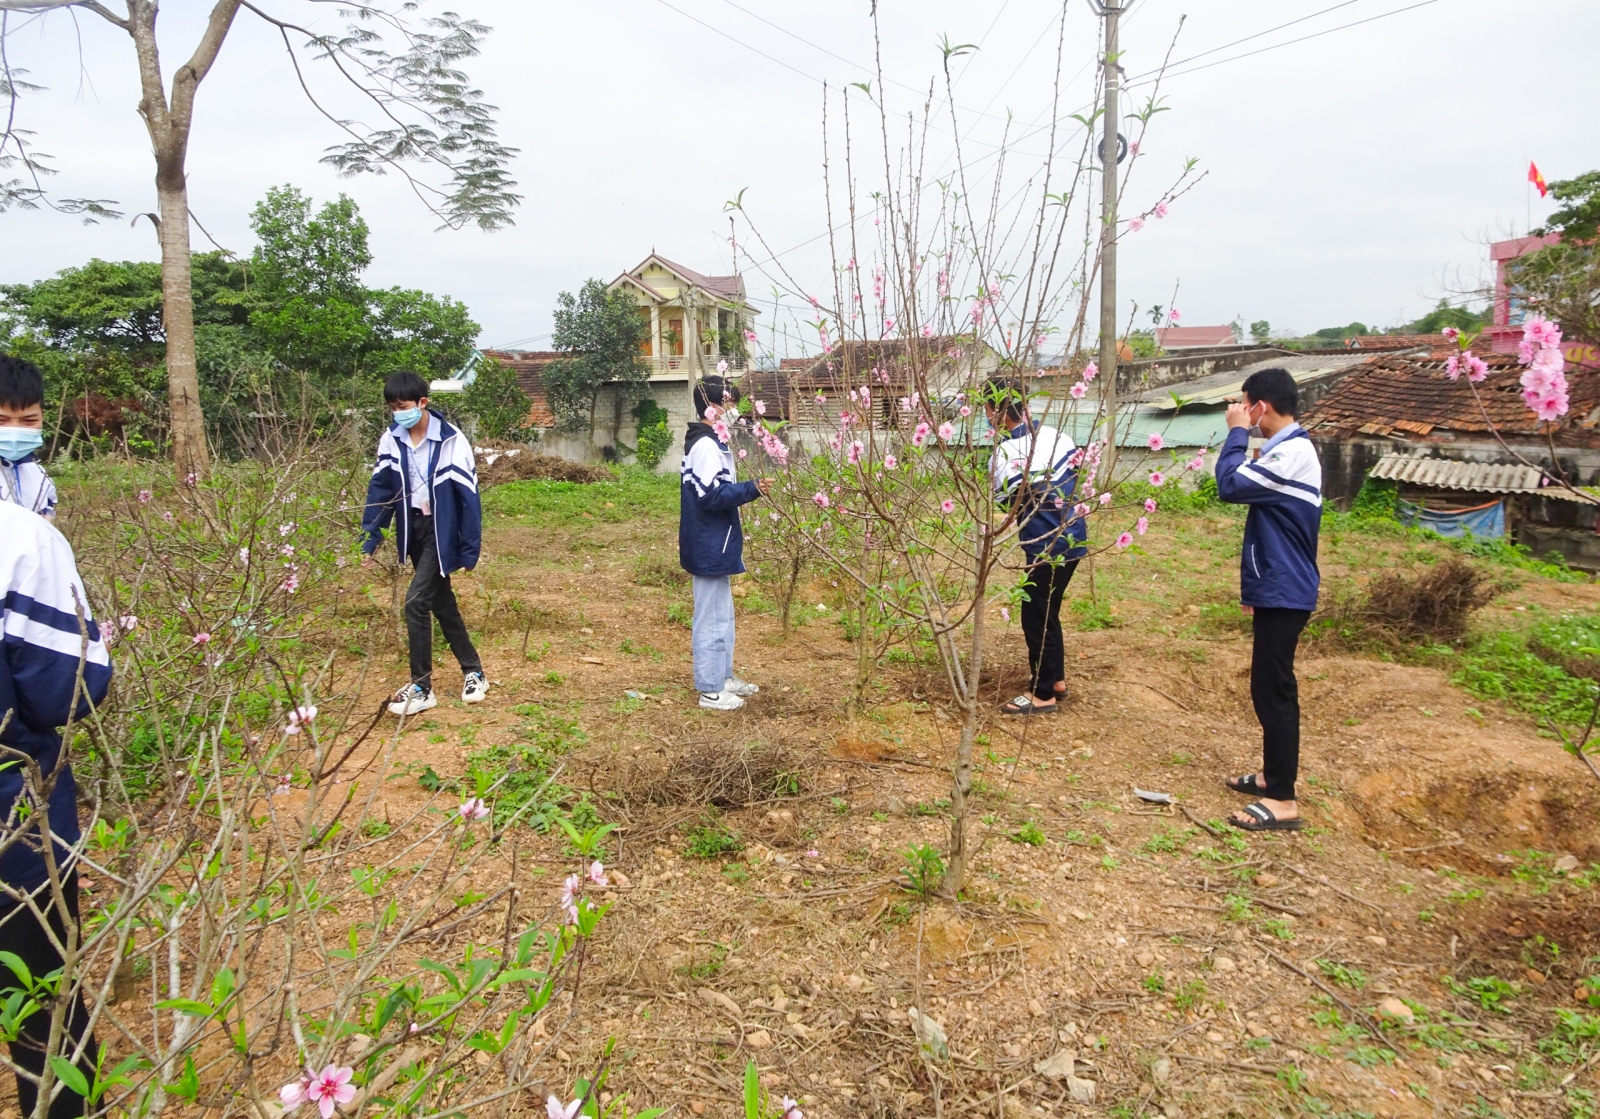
(426, 482)
(1278, 579)
(49, 639)
(1033, 473)
(711, 542)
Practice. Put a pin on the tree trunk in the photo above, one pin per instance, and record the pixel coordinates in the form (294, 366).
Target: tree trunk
(188, 423)
(169, 123)
(961, 784)
(858, 692)
(789, 591)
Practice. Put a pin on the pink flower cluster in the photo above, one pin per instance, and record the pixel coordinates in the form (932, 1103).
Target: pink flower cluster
(1476, 369)
(1544, 382)
(572, 888)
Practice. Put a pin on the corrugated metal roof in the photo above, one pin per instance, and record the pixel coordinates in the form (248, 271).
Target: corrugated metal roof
(1219, 387)
(1483, 477)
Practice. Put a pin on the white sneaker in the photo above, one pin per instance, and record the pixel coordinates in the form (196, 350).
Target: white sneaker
(475, 688)
(411, 700)
(720, 701)
(739, 688)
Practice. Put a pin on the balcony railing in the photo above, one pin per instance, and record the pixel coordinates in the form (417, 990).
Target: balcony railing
(689, 363)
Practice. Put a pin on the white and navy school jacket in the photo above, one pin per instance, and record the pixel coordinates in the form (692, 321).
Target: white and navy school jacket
(26, 483)
(452, 474)
(45, 640)
(1284, 491)
(710, 538)
(1034, 467)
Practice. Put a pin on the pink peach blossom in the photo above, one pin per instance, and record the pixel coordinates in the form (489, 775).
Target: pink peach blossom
(330, 1088)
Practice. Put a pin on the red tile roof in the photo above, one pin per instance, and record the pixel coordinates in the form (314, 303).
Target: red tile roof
(1193, 337)
(729, 287)
(1412, 398)
(529, 367)
(1396, 341)
(830, 370)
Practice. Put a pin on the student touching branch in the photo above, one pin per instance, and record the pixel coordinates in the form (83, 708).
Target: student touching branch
(1278, 579)
(1034, 472)
(711, 540)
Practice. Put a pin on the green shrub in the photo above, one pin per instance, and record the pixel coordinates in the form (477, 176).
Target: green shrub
(653, 438)
(496, 402)
(1377, 500)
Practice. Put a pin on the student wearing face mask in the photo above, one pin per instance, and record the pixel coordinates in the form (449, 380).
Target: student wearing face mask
(426, 483)
(1278, 579)
(23, 480)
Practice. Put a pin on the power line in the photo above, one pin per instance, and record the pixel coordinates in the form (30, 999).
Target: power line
(1144, 78)
(1268, 31)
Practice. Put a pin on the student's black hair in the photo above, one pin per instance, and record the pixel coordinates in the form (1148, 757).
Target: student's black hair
(404, 385)
(21, 383)
(1007, 396)
(1275, 387)
(714, 390)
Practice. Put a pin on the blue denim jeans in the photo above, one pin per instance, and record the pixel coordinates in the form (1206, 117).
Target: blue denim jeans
(713, 632)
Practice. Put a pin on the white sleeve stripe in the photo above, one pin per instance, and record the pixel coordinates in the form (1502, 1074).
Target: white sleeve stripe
(42, 636)
(1279, 487)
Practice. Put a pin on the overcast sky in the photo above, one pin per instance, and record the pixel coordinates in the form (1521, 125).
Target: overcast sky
(1355, 175)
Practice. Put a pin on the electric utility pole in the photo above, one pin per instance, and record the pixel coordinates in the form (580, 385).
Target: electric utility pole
(1109, 10)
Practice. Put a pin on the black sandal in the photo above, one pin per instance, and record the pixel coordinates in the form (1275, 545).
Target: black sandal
(1024, 705)
(1246, 785)
(1262, 819)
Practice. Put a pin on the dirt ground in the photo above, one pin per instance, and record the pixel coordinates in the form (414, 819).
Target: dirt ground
(1176, 961)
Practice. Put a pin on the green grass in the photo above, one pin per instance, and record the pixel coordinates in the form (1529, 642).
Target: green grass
(1502, 667)
(711, 840)
(520, 773)
(636, 494)
(1028, 833)
(1344, 976)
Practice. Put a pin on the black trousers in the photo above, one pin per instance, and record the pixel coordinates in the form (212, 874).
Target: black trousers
(1044, 583)
(430, 596)
(23, 934)
(1276, 695)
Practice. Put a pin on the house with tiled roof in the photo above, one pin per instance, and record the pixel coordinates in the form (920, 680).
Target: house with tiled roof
(1197, 337)
(1457, 449)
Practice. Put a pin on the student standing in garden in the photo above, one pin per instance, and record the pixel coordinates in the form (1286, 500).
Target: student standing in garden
(23, 480)
(1034, 474)
(426, 482)
(1278, 579)
(711, 541)
(49, 634)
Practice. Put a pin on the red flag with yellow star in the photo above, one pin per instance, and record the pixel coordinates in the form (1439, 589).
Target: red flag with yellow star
(1537, 179)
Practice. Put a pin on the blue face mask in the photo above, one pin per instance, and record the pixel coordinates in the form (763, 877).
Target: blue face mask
(408, 417)
(18, 443)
